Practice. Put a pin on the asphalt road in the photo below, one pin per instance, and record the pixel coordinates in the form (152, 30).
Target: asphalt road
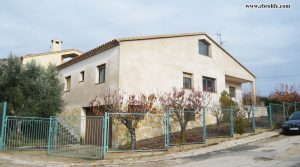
(281, 151)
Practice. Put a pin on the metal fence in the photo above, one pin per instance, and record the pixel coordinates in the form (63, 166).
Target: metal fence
(25, 133)
(219, 122)
(186, 127)
(3, 110)
(277, 114)
(262, 117)
(93, 136)
(247, 117)
(77, 137)
(136, 132)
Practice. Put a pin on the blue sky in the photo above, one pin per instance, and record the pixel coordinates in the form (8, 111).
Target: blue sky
(267, 41)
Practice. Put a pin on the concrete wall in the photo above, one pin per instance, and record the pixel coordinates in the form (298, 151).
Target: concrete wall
(81, 93)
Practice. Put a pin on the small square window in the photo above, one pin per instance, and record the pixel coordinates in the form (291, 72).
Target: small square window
(101, 73)
(81, 79)
(232, 92)
(209, 84)
(203, 47)
(68, 83)
(187, 81)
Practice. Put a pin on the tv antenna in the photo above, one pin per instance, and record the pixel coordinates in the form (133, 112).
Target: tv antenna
(219, 36)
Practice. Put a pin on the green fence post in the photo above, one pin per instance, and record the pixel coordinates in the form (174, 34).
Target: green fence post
(105, 130)
(284, 113)
(253, 117)
(231, 122)
(270, 115)
(167, 124)
(103, 136)
(3, 128)
(204, 126)
(49, 136)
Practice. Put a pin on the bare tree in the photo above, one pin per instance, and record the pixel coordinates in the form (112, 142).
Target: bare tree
(132, 110)
(185, 105)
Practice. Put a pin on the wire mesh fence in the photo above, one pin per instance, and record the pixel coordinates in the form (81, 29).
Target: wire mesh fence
(77, 137)
(278, 116)
(136, 132)
(26, 133)
(186, 127)
(290, 108)
(244, 117)
(262, 117)
(219, 122)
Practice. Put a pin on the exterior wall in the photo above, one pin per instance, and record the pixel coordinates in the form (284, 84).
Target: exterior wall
(48, 58)
(157, 65)
(81, 93)
(238, 90)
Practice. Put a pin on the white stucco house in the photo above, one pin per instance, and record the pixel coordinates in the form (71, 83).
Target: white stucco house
(55, 56)
(152, 64)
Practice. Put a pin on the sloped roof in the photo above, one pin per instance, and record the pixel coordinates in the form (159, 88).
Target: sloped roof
(117, 41)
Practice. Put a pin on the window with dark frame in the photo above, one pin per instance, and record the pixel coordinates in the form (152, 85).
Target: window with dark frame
(232, 93)
(187, 81)
(81, 76)
(101, 73)
(68, 83)
(209, 84)
(203, 47)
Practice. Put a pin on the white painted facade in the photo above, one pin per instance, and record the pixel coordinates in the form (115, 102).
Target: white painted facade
(154, 65)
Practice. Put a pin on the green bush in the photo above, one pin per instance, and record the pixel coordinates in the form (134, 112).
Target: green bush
(239, 122)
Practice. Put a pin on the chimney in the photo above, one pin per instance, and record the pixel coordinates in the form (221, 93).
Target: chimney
(56, 45)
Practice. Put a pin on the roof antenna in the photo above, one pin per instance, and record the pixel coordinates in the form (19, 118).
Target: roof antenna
(219, 35)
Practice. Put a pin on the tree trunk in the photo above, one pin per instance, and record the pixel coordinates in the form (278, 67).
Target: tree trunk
(132, 138)
(131, 129)
(183, 131)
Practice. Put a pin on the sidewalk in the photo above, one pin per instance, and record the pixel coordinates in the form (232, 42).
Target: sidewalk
(32, 158)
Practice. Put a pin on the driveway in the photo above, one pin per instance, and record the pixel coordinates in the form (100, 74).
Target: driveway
(281, 151)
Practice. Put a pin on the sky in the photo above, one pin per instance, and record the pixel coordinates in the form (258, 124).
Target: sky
(266, 41)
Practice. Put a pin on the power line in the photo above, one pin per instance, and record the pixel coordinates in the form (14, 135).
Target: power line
(280, 76)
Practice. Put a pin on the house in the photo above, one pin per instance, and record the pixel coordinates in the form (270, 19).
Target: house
(56, 56)
(152, 64)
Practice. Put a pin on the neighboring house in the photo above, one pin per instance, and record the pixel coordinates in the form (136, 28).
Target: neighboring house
(153, 64)
(56, 56)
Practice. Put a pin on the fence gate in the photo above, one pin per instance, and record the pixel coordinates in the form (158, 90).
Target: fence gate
(77, 137)
(25, 133)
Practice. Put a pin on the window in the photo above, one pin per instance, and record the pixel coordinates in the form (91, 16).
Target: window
(231, 91)
(209, 84)
(101, 73)
(68, 84)
(203, 47)
(81, 79)
(187, 81)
